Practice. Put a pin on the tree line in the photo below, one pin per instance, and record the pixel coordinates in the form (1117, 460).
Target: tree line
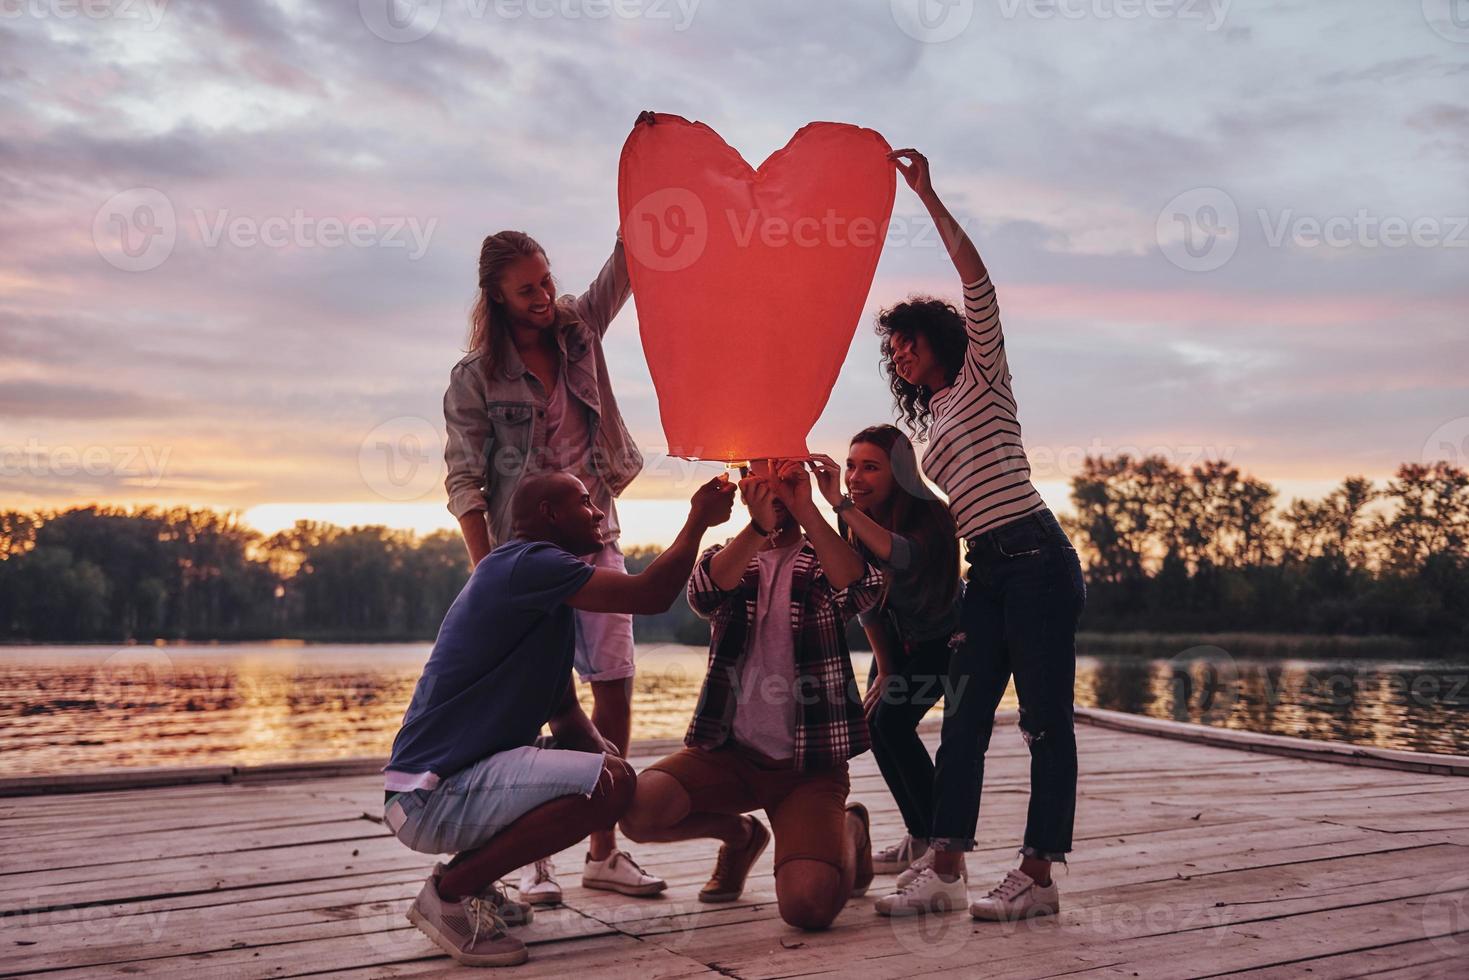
(1205, 548)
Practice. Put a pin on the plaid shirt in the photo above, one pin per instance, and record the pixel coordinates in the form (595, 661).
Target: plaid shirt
(831, 728)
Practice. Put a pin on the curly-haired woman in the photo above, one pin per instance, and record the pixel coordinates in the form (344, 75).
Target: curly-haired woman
(951, 381)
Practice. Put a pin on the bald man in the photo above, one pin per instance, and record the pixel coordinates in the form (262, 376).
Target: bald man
(467, 775)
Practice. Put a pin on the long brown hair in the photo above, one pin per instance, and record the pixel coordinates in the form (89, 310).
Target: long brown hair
(487, 319)
(918, 514)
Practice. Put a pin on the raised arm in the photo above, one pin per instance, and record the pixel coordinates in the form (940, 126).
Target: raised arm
(914, 167)
(981, 314)
(842, 565)
(655, 588)
(877, 539)
(599, 305)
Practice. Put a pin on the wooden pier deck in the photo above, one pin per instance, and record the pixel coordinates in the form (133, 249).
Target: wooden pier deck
(1191, 860)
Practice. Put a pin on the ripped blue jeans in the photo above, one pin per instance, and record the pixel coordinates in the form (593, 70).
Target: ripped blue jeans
(1021, 609)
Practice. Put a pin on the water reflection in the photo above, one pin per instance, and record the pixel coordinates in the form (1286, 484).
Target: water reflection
(74, 709)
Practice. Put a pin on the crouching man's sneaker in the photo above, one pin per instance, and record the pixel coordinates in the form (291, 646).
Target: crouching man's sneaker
(620, 873)
(899, 857)
(926, 892)
(1017, 897)
(538, 884)
(514, 913)
(468, 929)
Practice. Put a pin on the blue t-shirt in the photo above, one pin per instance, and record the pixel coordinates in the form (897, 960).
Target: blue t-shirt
(500, 664)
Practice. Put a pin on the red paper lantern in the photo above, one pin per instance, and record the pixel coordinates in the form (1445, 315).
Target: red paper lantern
(749, 284)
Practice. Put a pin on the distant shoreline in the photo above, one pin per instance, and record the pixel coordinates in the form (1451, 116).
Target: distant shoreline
(1089, 643)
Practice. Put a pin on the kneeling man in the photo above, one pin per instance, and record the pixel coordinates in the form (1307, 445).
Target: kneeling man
(779, 714)
(466, 774)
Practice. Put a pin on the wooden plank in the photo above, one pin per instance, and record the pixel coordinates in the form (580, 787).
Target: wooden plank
(1318, 751)
(256, 877)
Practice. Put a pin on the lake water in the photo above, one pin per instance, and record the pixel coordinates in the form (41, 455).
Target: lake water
(78, 709)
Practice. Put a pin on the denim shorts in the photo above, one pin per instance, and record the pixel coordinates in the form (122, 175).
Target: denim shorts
(468, 808)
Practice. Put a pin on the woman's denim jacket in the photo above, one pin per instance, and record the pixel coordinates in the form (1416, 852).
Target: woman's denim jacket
(495, 416)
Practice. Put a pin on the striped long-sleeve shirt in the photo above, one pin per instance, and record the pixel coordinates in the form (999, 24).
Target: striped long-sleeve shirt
(974, 449)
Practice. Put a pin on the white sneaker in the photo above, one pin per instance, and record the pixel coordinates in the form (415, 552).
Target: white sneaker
(620, 873)
(927, 892)
(926, 861)
(1017, 897)
(899, 857)
(538, 884)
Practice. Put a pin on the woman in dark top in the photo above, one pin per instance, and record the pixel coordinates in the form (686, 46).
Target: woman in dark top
(890, 515)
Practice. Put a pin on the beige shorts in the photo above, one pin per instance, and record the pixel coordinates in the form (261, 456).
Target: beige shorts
(604, 643)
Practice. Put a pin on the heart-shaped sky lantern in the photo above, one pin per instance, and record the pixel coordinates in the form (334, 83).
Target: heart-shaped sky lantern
(749, 284)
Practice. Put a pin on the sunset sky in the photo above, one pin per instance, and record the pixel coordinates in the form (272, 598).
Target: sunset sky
(240, 238)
